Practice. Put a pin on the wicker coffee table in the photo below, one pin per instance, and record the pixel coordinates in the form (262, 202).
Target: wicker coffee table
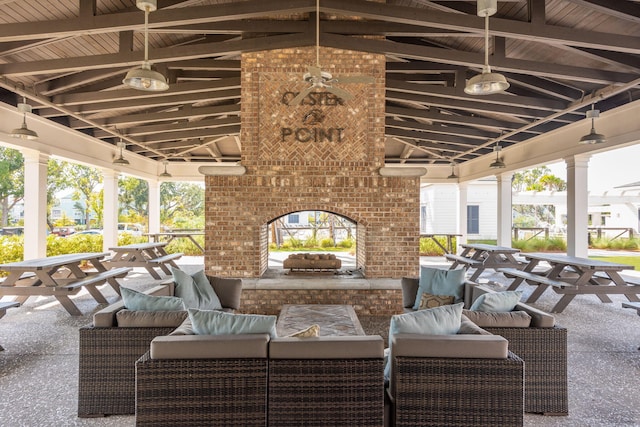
(333, 319)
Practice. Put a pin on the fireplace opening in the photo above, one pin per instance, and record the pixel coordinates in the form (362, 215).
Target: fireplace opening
(320, 234)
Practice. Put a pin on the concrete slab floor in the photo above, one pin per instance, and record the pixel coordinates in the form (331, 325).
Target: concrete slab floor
(38, 369)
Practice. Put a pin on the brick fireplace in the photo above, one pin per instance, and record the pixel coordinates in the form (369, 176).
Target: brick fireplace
(324, 154)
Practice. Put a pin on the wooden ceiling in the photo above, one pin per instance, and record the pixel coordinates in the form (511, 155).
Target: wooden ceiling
(68, 57)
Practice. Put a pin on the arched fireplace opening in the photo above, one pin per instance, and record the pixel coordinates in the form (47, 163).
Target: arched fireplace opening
(315, 232)
(311, 230)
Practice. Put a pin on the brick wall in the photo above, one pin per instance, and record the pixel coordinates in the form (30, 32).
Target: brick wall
(322, 155)
(370, 302)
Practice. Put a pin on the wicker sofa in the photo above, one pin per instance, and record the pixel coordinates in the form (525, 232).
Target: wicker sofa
(542, 345)
(253, 380)
(310, 261)
(108, 352)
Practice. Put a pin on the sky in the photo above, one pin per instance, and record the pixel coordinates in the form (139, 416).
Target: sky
(608, 170)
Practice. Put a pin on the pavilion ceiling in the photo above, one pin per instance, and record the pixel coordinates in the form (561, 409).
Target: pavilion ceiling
(69, 57)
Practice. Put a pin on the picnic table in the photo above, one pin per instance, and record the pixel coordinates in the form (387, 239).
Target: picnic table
(483, 256)
(570, 276)
(60, 276)
(147, 255)
(169, 236)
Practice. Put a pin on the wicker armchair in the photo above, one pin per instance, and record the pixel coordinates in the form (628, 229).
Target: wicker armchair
(107, 353)
(203, 380)
(543, 346)
(428, 387)
(326, 381)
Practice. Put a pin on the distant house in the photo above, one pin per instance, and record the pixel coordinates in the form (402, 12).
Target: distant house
(617, 208)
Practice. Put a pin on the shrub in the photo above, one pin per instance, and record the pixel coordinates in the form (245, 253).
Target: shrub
(311, 242)
(346, 243)
(429, 248)
(327, 243)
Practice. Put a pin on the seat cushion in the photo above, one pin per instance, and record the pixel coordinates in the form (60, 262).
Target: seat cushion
(510, 319)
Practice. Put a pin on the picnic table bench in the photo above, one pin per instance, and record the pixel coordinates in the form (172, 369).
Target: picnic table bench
(60, 276)
(482, 256)
(4, 306)
(570, 276)
(147, 255)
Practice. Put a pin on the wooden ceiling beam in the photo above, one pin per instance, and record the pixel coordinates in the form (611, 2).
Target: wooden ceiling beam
(194, 133)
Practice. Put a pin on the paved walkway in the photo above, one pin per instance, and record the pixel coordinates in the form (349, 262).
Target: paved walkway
(38, 369)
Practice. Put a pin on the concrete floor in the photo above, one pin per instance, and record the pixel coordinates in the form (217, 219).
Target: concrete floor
(38, 369)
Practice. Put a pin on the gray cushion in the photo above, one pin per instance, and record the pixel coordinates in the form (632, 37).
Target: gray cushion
(150, 319)
(510, 319)
(497, 301)
(210, 322)
(195, 290)
(138, 301)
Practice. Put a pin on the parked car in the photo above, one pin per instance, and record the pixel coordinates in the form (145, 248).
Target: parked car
(131, 228)
(93, 231)
(12, 231)
(63, 231)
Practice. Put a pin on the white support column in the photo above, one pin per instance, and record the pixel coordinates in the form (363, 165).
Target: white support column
(577, 205)
(154, 206)
(35, 203)
(462, 214)
(505, 209)
(110, 209)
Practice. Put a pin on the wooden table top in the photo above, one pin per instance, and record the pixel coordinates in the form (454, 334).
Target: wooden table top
(139, 246)
(52, 261)
(490, 248)
(577, 261)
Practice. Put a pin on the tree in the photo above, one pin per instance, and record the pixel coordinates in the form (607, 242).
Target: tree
(57, 180)
(537, 179)
(11, 181)
(84, 181)
(133, 197)
(181, 201)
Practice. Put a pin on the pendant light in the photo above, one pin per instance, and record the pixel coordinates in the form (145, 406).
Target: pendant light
(498, 163)
(23, 131)
(144, 78)
(121, 160)
(486, 83)
(453, 172)
(593, 137)
(165, 174)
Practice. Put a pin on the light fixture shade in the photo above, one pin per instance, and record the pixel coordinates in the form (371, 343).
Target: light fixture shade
(593, 138)
(497, 164)
(120, 161)
(165, 174)
(486, 83)
(23, 132)
(145, 78)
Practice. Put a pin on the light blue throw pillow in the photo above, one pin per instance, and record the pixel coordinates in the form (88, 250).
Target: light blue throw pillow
(210, 322)
(496, 302)
(195, 290)
(138, 301)
(436, 281)
(443, 320)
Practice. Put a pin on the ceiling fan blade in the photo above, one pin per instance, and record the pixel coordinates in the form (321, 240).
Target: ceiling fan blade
(314, 71)
(341, 93)
(299, 97)
(354, 79)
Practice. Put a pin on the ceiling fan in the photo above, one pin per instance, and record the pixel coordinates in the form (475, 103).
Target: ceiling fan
(323, 79)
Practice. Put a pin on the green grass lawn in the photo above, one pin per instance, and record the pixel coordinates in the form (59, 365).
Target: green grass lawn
(628, 260)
